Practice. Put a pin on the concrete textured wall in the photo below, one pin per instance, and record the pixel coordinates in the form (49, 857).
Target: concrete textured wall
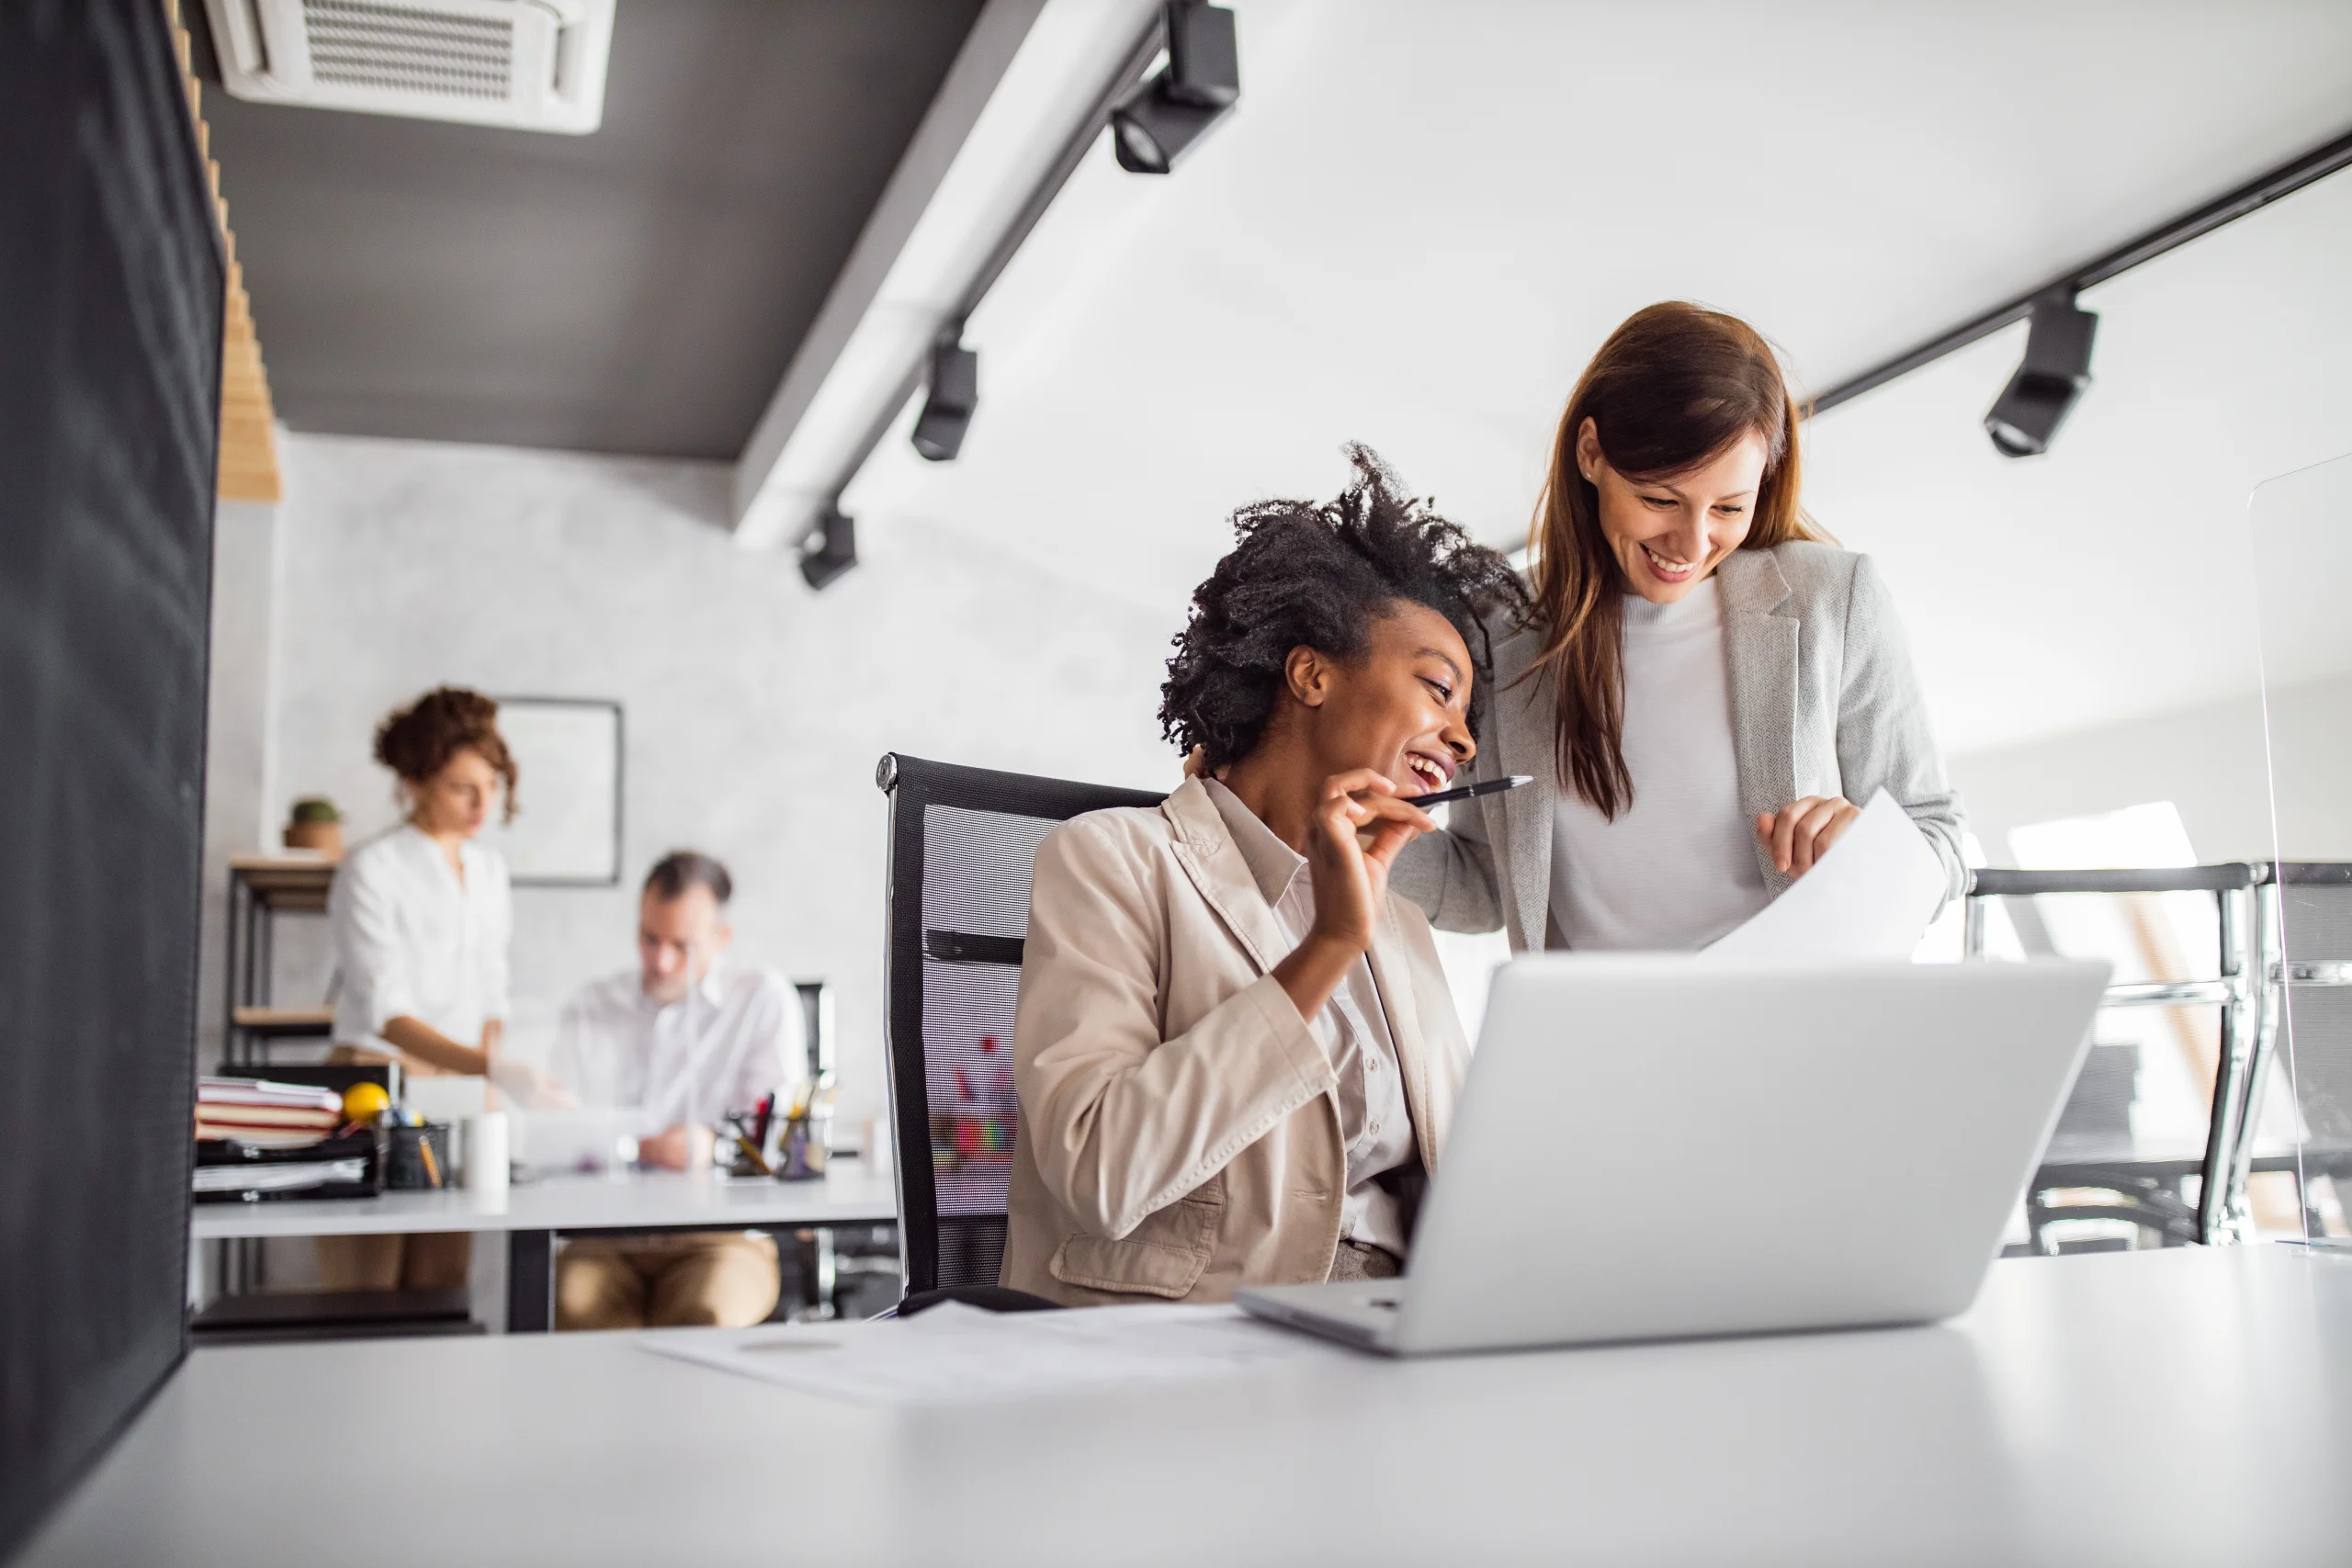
(754, 709)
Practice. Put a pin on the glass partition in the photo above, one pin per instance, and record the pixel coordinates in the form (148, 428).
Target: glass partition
(2301, 1089)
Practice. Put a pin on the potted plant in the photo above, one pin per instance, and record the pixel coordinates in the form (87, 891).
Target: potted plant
(317, 826)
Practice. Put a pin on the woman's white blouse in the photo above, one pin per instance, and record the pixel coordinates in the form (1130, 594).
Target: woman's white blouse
(1678, 868)
(412, 941)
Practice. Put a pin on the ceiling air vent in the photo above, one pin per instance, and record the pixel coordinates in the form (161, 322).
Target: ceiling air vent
(529, 64)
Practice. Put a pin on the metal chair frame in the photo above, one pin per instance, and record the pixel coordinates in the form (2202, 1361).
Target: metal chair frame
(2250, 991)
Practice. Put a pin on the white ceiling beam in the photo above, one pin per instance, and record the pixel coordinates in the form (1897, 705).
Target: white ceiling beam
(1027, 80)
(988, 50)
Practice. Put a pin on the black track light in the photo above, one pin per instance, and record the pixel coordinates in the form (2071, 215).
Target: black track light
(834, 552)
(1164, 119)
(948, 410)
(2054, 377)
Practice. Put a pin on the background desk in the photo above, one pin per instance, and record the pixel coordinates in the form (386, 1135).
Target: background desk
(2188, 1405)
(534, 1214)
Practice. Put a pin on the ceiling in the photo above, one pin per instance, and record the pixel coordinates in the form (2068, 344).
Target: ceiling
(2114, 577)
(635, 290)
(1423, 219)
(1418, 226)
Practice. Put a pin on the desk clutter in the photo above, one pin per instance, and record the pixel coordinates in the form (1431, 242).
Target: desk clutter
(793, 1146)
(350, 1130)
(257, 1138)
(260, 1138)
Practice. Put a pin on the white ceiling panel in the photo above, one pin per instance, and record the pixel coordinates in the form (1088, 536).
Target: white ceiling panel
(1425, 217)
(2112, 576)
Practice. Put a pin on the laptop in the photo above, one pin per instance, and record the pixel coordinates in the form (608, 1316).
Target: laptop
(1651, 1149)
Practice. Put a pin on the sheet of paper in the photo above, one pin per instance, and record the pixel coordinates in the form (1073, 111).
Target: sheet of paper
(955, 1353)
(1871, 897)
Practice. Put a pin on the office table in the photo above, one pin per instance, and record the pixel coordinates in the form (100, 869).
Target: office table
(535, 1214)
(2188, 1405)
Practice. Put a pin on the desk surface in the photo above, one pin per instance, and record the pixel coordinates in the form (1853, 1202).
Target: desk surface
(2144, 1408)
(851, 1195)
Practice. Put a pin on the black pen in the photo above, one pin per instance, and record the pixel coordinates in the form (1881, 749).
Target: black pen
(1466, 792)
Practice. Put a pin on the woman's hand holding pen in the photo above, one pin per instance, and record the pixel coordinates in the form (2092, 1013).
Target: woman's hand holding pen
(1359, 824)
(1800, 832)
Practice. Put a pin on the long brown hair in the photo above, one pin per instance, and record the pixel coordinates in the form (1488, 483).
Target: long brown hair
(1674, 386)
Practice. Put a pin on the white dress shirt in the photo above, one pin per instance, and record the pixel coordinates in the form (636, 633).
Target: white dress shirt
(1678, 868)
(1375, 1125)
(412, 939)
(726, 1043)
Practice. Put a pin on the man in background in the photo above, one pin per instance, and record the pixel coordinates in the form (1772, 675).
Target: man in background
(681, 1040)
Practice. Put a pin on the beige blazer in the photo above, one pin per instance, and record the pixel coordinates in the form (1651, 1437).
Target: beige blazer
(1179, 1135)
(1823, 701)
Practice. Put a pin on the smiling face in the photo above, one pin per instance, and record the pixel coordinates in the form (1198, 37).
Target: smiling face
(1402, 709)
(1669, 533)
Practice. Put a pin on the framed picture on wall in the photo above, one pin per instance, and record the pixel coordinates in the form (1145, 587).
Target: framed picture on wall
(567, 827)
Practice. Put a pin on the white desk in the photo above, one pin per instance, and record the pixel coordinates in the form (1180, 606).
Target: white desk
(2188, 1406)
(625, 1200)
(532, 1215)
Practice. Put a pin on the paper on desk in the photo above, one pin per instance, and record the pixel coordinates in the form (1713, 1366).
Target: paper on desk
(954, 1352)
(1871, 897)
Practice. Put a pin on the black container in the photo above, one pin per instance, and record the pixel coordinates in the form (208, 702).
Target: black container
(362, 1145)
(406, 1166)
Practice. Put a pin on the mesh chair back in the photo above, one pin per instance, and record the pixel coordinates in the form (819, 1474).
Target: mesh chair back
(962, 843)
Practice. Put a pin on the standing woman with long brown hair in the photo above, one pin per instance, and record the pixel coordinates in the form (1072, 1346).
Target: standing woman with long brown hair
(1707, 689)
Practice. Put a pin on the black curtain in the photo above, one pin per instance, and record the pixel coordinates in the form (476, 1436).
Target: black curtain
(110, 315)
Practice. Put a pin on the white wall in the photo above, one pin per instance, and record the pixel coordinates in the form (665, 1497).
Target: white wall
(754, 709)
(2211, 761)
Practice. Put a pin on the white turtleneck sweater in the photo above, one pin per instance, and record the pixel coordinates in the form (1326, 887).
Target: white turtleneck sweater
(1678, 868)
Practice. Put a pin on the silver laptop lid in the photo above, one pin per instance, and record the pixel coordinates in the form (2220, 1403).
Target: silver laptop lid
(1651, 1146)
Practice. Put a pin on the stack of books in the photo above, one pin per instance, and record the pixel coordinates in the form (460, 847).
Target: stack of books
(265, 1115)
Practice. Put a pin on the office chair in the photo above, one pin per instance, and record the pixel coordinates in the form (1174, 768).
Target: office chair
(962, 844)
(2264, 972)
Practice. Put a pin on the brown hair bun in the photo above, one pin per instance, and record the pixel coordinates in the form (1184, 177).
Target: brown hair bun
(417, 741)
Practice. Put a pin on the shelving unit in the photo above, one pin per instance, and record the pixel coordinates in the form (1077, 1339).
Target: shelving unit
(261, 888)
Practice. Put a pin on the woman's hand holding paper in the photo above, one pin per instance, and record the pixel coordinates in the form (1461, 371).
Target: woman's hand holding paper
(1800, 832)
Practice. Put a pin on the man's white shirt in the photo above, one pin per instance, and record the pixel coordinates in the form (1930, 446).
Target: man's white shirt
(730, 1041)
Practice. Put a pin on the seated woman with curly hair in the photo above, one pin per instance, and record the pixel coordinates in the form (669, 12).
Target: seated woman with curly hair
(1235, 1055)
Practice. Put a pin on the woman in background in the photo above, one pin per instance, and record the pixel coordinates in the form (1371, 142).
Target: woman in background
(1707, 692)
(420, 918)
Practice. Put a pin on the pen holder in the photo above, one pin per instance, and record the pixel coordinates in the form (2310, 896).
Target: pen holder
(418, 1157)
(803, 1148)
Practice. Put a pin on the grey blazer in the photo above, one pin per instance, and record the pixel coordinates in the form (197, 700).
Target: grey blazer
(1823, 702)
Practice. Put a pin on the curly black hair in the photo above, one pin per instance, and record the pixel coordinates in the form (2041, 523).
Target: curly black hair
(1303, 575)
